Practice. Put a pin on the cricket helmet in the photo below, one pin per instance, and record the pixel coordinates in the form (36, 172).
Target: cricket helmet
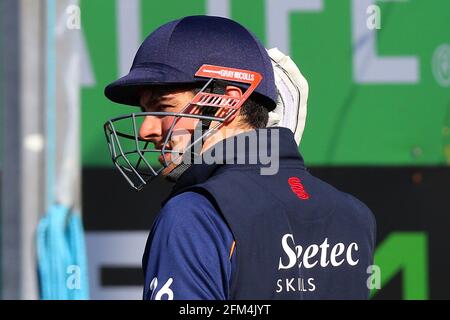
(197, 51)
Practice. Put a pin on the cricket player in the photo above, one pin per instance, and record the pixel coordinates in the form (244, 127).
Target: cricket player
(245, 218)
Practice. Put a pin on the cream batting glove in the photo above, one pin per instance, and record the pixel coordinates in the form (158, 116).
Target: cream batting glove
(292, 88)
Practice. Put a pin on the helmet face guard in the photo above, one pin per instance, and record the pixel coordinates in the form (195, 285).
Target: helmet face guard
(136, 158)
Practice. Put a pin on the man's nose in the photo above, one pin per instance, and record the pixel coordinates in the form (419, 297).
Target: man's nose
(150, 128)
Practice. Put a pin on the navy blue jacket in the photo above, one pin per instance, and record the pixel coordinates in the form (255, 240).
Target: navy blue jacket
(296, 236)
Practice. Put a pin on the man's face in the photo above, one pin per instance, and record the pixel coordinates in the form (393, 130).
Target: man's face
(156, 128)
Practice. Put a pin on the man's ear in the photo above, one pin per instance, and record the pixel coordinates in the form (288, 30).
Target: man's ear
(233, 91)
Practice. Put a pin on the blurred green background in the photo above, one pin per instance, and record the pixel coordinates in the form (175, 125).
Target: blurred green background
(349, 123)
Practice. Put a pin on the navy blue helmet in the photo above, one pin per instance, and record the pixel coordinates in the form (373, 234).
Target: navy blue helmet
(172, 55)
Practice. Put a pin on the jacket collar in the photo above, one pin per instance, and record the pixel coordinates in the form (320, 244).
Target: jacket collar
(269, 139)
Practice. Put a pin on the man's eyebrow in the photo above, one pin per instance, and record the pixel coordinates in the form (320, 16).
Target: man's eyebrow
(151, 100)
(164, 101)
(167, 99)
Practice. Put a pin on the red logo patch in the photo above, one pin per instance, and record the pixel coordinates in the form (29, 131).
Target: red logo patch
(298, 188)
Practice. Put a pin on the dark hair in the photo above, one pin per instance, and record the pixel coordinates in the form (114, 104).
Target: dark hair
(253, 111)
